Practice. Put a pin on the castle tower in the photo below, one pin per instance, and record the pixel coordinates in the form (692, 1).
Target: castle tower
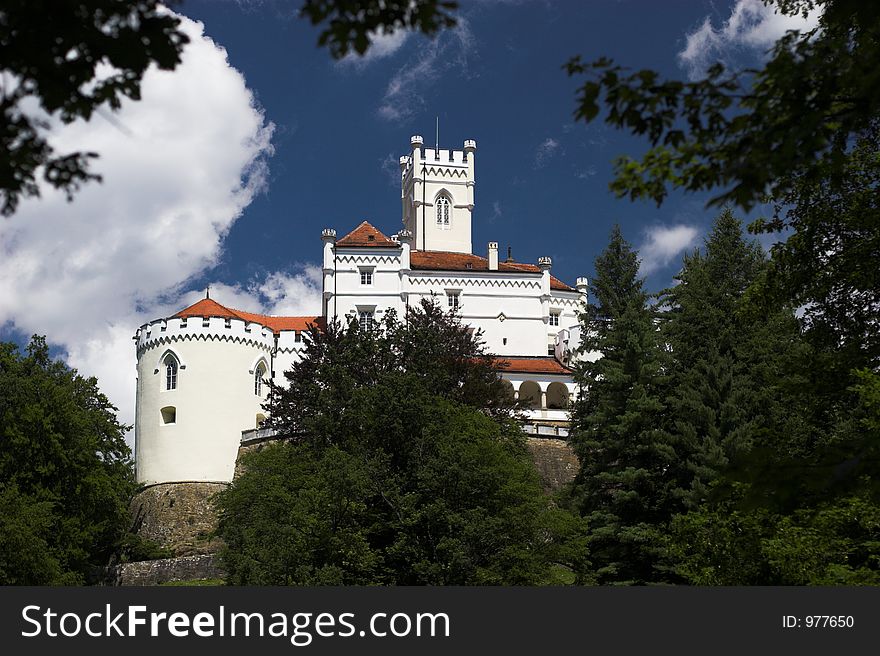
(437, 194)
(197, 390)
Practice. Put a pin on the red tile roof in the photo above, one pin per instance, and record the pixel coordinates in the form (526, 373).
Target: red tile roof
(443, 261)
(539, 365)
(210, 308)
(366, 235)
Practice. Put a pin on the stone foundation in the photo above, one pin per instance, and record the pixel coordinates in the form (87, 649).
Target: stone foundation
(178, 516)
(181, 518)
(167, 570)
(555, 461)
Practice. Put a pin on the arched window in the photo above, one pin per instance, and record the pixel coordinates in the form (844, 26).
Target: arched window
(259, 375)
(170, 372)
(443, 211)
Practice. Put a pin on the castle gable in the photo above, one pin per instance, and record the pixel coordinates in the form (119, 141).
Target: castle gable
(366, 235)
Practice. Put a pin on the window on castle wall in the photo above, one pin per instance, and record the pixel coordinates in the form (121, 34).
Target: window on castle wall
(170, 372)
(169, 415)
(554, 318)
(551, 349)
(443, 211)
(365, 319)
(453, 300)
(259, 379)
(366, 276)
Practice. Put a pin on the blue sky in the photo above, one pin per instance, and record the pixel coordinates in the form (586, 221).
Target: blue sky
(229, 168)
(541, 178)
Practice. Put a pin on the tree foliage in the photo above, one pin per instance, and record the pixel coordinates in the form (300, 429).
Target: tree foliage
(65, 471)
(350, 24)
(625, 488)
(403, 466)
(70, 59)
(725, 366)
(782, 459)
(830, 263)
(743, 132)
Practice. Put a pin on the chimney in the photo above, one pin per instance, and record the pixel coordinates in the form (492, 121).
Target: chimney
(509, 254)
(493, 256)
(405, 238)
(328, 237)
(544, 263)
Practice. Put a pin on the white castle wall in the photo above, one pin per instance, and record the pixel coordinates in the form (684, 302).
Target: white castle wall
(214, 399)
(512, 309)
(383, 294)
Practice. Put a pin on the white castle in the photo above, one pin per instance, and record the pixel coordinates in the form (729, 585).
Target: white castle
(202, 373)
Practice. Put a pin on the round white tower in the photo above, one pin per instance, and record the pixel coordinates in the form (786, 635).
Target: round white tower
(202, 378)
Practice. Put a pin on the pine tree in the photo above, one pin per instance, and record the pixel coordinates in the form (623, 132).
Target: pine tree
(716, 402)
(624, 487)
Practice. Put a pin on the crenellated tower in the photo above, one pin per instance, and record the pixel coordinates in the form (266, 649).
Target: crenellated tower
(437, 194)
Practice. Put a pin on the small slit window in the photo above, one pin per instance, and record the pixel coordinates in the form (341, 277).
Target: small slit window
(169, 415)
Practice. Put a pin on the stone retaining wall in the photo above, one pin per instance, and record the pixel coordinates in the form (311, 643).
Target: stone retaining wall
(178, 516)
(555, 460)
(156, 572)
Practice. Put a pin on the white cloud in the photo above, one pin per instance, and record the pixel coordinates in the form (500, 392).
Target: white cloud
(390, 165)
(448, 50)
(545, 151)
(752, 26)
(663, 243)
(382, 45)
(189, 158)
(297, 294)
(496, 211)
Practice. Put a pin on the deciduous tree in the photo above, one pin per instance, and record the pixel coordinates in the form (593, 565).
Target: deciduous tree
(65, 471)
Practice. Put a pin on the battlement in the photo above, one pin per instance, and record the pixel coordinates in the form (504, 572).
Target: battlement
(163, 331)
(445, 156)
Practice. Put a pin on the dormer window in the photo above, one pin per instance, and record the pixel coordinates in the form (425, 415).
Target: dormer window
(443, 211)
